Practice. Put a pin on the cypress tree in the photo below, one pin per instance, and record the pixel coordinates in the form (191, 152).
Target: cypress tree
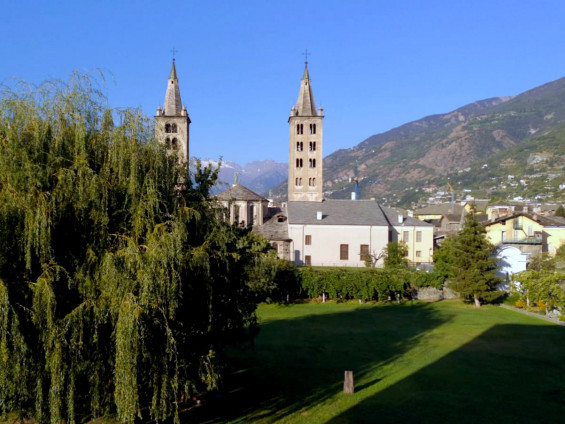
(560, 211)
(472, 267)
(119, 287)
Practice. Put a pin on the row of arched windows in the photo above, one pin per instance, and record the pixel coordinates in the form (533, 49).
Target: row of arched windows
(171, 144)
(300, 146)
(311, 182)
(311, 163)
(171, 128)
(300, 128)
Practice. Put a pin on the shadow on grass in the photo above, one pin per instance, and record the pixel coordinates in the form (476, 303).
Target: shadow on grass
(300, 362)
(509, 374)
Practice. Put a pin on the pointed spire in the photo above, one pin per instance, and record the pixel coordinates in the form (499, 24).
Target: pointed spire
(173, 71)
(172, 105)
(306, 75)
(305, 104)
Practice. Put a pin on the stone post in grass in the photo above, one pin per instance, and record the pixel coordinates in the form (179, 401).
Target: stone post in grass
(348, 386)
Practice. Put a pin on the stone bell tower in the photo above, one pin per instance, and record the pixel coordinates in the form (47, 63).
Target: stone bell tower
(172, 122)
(305, 177)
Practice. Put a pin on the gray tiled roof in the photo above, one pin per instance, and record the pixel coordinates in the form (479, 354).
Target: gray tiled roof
(441, 209)
(337, 212)
(392, 216)
(546, 221)
(239, 192)
(275, 228)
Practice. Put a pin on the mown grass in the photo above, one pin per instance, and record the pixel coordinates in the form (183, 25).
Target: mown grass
(433, 362)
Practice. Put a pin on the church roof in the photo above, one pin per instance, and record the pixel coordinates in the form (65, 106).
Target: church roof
(173, 104)
(336, 212)
(239, 192)
(275, 228)
(305, 104)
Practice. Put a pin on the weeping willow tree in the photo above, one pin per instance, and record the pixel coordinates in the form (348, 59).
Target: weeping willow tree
(119, 287)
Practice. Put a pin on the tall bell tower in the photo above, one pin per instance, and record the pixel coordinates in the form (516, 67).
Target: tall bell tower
(305, 177)
(172, 122)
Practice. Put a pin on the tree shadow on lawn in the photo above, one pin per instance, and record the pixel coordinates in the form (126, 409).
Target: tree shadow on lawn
(510, 373)
(300, 362)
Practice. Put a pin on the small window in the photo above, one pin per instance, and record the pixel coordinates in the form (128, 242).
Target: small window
(167, 128)
(299, 129)
(312, 146)
(503, 237)
(364, 252)
(275, 246)
(406, 236)
(308, 260)
(297, 181)
(299, 163)
(418, 236)
(308, 240)
(174, 128)
(418, 253)
(312, 128)
(174, 144)
(344, 252)
(311, 163)
(167, 143)
(299, 146)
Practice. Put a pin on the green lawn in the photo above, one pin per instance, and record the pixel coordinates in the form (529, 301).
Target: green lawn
(434, 362)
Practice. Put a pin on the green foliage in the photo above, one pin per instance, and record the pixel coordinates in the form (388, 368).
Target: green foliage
(560, 211)
(119, 288)
(364, 284)
(468, 263)
(395, 254)
(542, 287)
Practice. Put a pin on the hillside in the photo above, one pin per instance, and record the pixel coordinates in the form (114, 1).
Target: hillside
(502, 132)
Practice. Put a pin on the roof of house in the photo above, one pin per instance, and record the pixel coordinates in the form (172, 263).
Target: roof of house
(275, 228)
(441, 209)
(546, 221)
(346, 212)
(239, 192)
(392, 215)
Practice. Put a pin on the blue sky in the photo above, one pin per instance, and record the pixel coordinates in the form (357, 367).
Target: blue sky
(374, 64)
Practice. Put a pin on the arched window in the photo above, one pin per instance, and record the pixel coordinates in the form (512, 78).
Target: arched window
(311, 163)
(313, 182)
(299, 163)
(312, 146)
(299, 128)
(296, 183)
(167, 128)
(175, 144)
(167, 143)
(299, 146)
(174, 128)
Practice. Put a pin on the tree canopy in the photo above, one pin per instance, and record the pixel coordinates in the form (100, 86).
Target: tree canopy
(119, 287)
(468, 263)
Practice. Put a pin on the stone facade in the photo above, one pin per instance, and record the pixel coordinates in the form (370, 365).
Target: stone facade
(305, 167)
(172, 122)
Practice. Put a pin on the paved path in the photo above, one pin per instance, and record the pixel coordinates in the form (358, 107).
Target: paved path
(533, 314)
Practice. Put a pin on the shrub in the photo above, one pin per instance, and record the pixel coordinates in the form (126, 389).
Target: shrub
(520, 304)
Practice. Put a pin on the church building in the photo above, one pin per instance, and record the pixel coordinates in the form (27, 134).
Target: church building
(310, 230)
(172, 121)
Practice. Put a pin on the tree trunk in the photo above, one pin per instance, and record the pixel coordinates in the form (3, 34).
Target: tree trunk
(348, 386)
(477, 301)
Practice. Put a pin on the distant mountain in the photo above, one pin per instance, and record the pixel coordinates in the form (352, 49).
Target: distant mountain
(488, 132)
(258, 176)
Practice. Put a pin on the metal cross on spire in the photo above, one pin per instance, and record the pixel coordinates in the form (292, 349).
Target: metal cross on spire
(306, 54)
(173, 51)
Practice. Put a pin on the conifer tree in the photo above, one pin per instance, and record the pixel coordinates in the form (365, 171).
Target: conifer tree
(119, 287)
(472, 267)
(560, 211)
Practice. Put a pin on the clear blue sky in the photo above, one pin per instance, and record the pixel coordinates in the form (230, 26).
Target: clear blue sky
(374, 64)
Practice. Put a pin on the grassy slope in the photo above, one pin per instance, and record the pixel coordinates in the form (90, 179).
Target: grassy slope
(426, 363)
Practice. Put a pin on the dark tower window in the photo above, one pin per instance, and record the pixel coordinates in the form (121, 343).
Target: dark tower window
(299, 146)
(299, 128)
(174, 128)
(312, 128)
(311, 163)
(175, 144)
(167, 143)
(167, 128)
(299, 163)
(312, 146)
